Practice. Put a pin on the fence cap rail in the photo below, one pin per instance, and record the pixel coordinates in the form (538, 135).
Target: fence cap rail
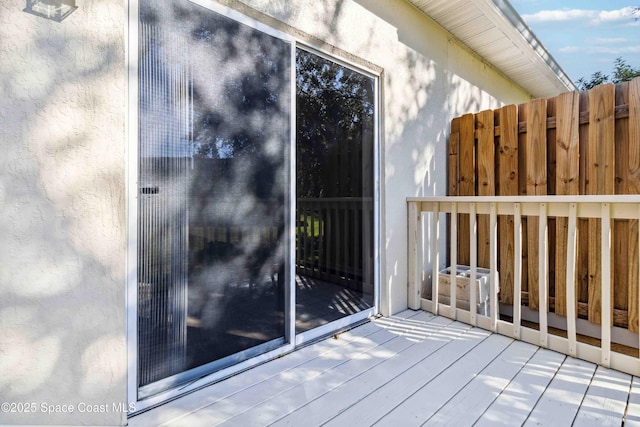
(612, 198)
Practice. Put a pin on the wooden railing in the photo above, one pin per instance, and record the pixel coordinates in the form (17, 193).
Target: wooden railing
(604, 209)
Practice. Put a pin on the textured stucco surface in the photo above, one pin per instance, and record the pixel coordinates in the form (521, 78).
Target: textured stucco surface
(62, 213)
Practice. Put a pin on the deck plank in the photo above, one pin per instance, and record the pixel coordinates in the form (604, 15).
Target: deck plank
(222, 410)
(380, 401)
(295, 398)
(561, 400)
(412, 369)
(472, 401)
(345, 395)
(426, 401)
(632, 417)
(516, 402)
(606, 400)
(179, 409)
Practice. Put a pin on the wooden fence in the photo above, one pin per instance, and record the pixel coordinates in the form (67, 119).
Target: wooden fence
(578, 143)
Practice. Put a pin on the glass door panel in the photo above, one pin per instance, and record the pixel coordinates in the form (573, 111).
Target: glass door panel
(213, 197)
(334, 191)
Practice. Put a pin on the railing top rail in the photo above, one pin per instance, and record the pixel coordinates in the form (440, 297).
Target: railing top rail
(612, 198)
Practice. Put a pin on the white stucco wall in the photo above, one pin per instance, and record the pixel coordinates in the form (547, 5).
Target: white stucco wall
(63, 168)
(62, 214)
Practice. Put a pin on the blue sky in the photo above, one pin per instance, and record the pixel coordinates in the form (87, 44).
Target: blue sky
(584, 36)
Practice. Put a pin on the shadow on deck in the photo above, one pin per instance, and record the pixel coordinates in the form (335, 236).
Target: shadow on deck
(412, 369)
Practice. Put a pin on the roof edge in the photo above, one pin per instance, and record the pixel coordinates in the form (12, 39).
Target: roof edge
(534, 43)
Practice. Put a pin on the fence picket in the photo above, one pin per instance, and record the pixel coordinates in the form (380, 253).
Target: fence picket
(551, 189)
(583, 224)
(536, 184)
(600, 180)
(454, 143)
(467, 180)
(633, 187)
(485, 156)
(622, 186)
(567, 181)
(507, 186)
(522, 190)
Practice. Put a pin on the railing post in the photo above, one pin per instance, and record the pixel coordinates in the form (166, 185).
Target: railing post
(435, 255)
(473, 251)
(493, 261)
(414, 239)
(605, 319)
(543, 277)
(571, 279)
(517, 269)
(454, 260)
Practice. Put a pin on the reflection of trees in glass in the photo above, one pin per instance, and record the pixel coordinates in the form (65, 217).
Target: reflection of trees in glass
(335, 112)
(214, 163)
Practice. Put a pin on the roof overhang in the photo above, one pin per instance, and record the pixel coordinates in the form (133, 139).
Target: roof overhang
(495, 31)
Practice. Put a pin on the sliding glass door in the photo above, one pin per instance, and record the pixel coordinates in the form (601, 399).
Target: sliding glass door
(214, 159)
(255, 194)
(335, 123)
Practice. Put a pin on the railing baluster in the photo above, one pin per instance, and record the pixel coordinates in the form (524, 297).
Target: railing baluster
(571, 279)
(543, 278)
(493, 261)
(413, 273)
(473, 250)
(517, 270)
(605, 248)
(454, 260)
(435, 255)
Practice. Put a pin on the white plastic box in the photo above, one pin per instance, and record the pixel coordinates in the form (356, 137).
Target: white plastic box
(463, 278)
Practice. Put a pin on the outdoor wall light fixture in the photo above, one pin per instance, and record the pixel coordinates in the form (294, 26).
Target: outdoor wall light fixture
(56, 10)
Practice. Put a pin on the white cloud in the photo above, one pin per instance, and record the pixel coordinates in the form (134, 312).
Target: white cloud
(559, 15)
(571, 49)
(614, 40)
(592, 16)
(616, 15)
(607, 50)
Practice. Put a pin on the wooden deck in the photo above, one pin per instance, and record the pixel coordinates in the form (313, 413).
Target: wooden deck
(412, 369)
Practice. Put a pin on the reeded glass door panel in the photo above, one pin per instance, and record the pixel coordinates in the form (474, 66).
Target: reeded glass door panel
(213, 190)
(334, 191)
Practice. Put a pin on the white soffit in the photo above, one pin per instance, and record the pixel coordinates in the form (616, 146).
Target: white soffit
(495, 31)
